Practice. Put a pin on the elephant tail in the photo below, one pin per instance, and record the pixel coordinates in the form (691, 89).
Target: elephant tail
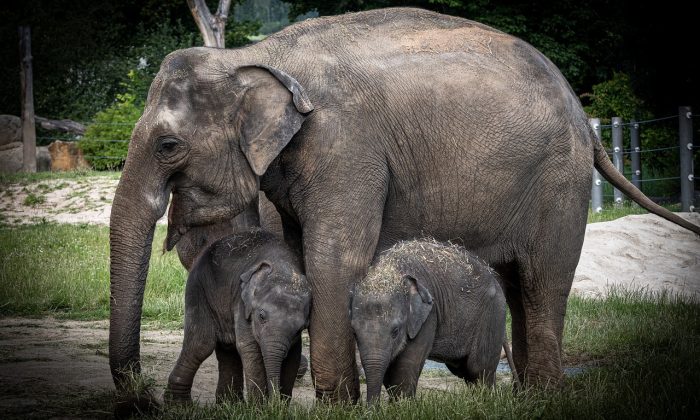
(609, 172)
(511, 363)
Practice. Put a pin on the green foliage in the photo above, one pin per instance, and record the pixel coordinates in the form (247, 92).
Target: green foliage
(617, 98)
(105, 142)
(238, 33)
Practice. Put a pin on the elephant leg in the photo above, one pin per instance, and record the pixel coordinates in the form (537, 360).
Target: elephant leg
(401, 378)
(198, 344)
(253, 366)
(511, 289)
(230, 385)
(545, 282)
(337, 254)
(290, 367)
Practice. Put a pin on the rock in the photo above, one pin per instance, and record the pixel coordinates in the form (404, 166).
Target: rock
(65, 156)
(10, 129)
(43, 159)
(11, 156)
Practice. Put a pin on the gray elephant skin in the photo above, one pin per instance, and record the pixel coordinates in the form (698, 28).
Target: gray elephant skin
(261, 213)
(427, 300)
(247, 299)
(363, 130)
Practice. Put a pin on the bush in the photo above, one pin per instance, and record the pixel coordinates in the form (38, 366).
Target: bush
(106, 139)
(616, 98)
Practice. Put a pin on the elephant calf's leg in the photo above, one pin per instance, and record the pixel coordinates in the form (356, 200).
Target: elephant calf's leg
(230, 385)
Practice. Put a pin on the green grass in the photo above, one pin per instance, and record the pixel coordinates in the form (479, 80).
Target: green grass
(612, 212)
(63, 270)
(29, 178)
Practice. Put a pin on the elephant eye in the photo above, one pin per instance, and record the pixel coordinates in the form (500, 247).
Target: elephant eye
(262, 316)
(168, 148)
(395, 332)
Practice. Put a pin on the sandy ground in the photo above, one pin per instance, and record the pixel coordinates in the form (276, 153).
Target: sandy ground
(644, 251)
(42, 359)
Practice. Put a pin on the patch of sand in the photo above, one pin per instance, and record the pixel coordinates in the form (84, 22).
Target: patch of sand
(639, 252)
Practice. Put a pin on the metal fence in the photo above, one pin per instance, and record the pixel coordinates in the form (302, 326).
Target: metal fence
(685, 149)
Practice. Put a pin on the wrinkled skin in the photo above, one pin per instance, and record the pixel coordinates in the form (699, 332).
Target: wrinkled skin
(365, 129)
(248, 300)
(194, 240)
(445, 305)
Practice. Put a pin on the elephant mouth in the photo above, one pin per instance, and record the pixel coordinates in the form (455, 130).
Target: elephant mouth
(175, 233)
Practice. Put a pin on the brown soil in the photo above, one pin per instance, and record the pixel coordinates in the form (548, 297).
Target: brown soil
(48, 365)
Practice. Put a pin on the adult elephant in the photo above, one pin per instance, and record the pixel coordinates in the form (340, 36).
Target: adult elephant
(364, 129)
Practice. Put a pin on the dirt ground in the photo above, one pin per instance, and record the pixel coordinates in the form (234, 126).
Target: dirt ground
(45, 360)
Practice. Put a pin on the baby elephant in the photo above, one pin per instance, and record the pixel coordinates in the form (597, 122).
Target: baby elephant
(426, 300)
(246, 298)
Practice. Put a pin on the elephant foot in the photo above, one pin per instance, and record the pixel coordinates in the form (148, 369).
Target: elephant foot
(544, 376)
(347, 392)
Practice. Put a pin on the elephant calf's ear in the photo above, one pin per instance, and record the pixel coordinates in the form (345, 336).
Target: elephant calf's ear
(420, 305)
(249, 281)
(275, 106)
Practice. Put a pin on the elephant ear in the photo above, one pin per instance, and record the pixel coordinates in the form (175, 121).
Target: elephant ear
(250, 281)
(275, 105)
(420, 304)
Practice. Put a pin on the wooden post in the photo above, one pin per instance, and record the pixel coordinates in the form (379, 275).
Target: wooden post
(635, 154)
(617, 155)
(28, 129)
(597, 184)
(685, 139)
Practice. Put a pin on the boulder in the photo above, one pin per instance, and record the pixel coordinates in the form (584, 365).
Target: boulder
(10, 129)
(11, 156)
(65, 156)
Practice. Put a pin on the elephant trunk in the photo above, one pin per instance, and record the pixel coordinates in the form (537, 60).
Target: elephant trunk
(135, 211)
(274, 354)
(375, 369)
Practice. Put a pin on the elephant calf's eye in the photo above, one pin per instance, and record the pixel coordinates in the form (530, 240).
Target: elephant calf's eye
(395, 332)
(262, 316)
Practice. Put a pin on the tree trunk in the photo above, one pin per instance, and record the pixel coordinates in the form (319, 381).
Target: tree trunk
(28, 128)
(212, 27)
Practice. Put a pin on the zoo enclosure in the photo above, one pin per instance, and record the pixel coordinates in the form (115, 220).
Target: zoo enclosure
(685, 150)
(634, 154)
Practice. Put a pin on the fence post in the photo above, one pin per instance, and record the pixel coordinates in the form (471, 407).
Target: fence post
(685, 138)
(597, 184)
(617, 155)
(636, 152)
(28, 129)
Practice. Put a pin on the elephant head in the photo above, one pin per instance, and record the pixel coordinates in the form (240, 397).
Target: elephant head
(276, 302)
(386, 311)
(209, 130)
